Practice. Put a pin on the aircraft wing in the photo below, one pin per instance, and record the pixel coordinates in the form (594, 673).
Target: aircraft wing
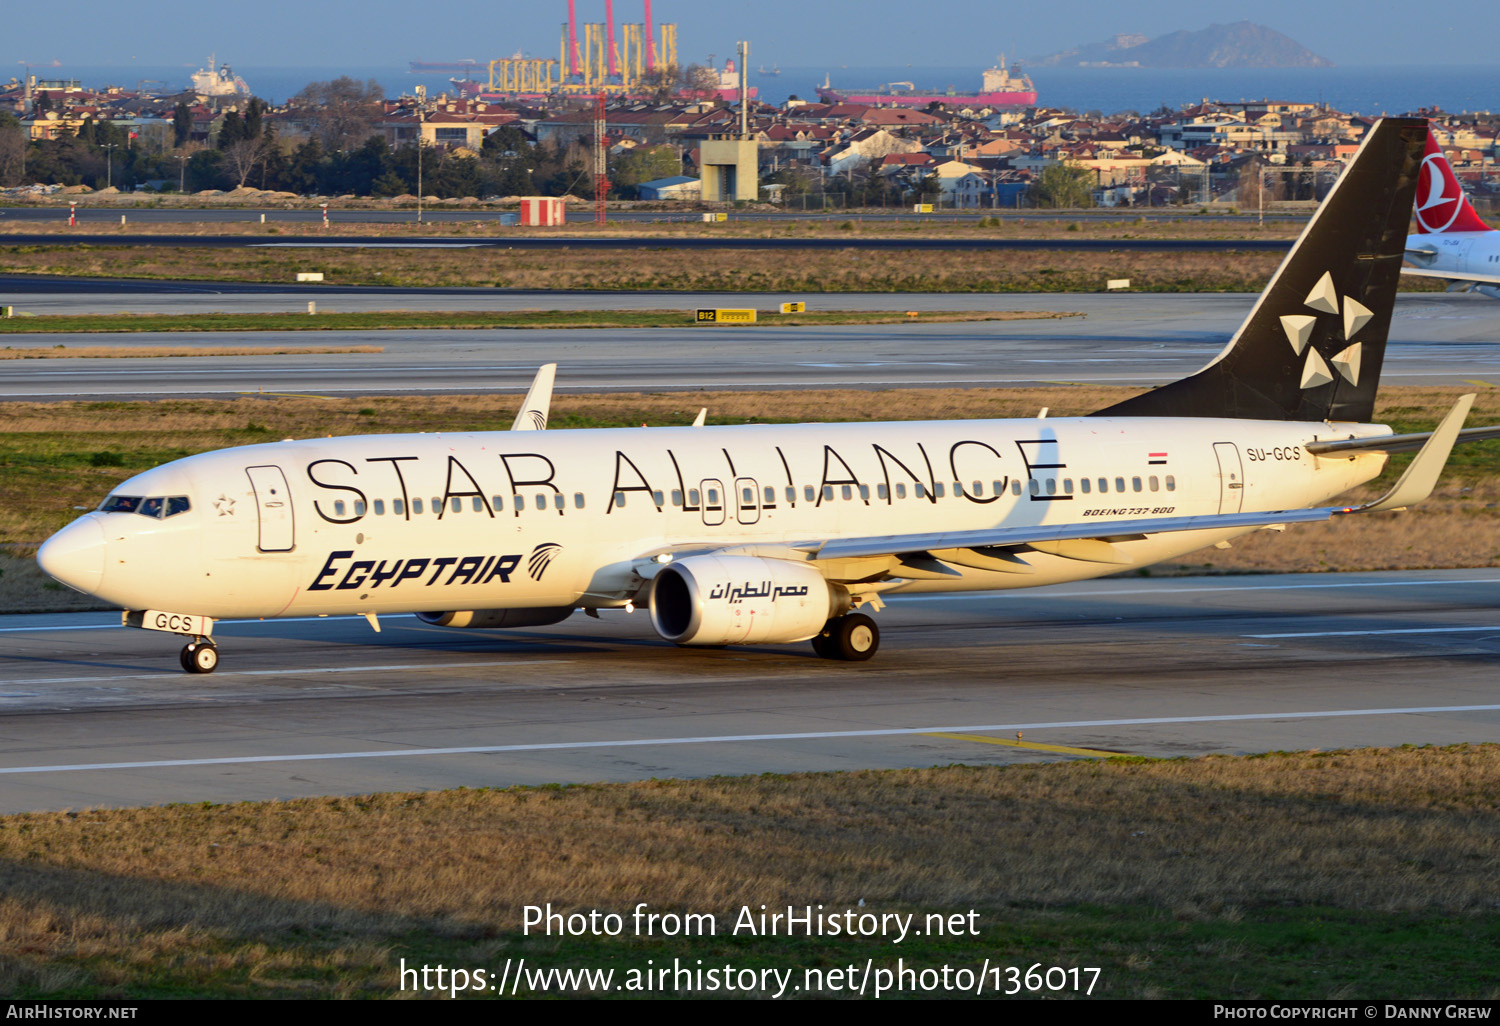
(532, 416)
(1414, 486)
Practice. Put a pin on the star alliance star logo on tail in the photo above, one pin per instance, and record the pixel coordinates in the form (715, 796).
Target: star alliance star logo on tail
(541, 558)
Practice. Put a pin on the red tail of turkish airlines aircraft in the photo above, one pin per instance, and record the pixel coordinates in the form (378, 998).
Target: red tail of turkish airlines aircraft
(1441, 203)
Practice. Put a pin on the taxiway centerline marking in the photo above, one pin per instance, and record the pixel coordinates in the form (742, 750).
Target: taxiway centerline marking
(1036, 745)
(554, 746)
(1376, 633)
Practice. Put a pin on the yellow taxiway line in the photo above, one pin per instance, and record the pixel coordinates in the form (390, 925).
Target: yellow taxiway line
(1092, 753)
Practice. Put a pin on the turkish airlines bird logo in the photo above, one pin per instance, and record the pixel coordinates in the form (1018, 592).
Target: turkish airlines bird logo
(541, 558)
(1439, 198)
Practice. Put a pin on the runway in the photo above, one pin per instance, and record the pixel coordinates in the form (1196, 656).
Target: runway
(629, 242)
(1135, 340)
(95, 715)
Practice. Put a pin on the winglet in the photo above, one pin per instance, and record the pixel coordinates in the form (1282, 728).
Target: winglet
(1421, 476)
(532, 416)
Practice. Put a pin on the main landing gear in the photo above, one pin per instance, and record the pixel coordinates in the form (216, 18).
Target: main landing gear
(853, 638)
(200, 656)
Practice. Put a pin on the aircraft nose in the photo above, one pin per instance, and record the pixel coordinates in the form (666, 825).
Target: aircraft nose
(75, 555)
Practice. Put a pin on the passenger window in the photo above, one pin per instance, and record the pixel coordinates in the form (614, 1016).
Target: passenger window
(1104, 484)
(1135, 483)
(497, 503)
(338, 507)
(437, 505)
(619, 499)
(398, 507)
(559, 500)
(1119, 484)
(478, 504)
(747, 497)
(882, 492)
(379, 507)
(848, 493)
(979, 489)
(1171, 483)
(1086, 485)
(791, 495)
(770, 495)
(416, 505)
(808, 493)
(517, 503)
(999, 488)
(658, 498)
(900, 491)
(1152, 481)
(937, 489)
(828, 493)
(676, 496)
(692, 496)
(1034, 486)
(1051, 486)
(919, 490)
(1015, 487)
(713, 496)
(578, 500)
(178, 504)
(1067, 486)
(456, 504)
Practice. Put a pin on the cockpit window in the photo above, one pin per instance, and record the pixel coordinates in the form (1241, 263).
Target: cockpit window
(120, 504)
(157, 507)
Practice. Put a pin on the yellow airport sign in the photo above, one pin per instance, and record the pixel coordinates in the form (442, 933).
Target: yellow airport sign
(794, 308)
(726, 316)
(923, 208)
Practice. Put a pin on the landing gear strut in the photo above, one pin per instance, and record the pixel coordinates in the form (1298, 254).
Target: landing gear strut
(200, 656)
(853, 638)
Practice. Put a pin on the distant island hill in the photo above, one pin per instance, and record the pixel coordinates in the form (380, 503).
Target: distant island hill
(1240, 45)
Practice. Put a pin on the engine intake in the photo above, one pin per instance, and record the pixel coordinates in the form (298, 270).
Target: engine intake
(738, 600)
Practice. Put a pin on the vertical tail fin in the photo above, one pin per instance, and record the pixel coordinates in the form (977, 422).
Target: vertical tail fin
(1441, 203)
(1313, 345)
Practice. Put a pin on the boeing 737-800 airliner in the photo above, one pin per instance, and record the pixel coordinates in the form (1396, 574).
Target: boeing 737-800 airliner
(773, 534)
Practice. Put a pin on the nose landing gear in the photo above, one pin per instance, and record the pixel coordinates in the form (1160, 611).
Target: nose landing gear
(200, 656)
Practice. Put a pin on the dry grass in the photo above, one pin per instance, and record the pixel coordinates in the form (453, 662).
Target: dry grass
(676, 224)
(46, 352)
(768, 270)
(327, 887)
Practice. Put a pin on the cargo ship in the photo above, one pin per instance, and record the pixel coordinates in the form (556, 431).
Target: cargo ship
(1000, 88)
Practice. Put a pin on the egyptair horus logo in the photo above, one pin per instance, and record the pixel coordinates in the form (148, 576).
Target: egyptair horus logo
(1440, 198)
(541, 558)
(538, 419)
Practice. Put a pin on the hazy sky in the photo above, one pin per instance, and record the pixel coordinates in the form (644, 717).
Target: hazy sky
(331, 33)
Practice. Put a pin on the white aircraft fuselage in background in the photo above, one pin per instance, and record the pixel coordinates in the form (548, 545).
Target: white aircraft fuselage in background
(1452, 241)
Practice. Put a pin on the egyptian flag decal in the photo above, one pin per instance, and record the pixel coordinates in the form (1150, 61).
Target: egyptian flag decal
(1156, 459)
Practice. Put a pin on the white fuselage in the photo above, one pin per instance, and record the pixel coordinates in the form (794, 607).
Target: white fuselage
(1458, 255)
(432, 522)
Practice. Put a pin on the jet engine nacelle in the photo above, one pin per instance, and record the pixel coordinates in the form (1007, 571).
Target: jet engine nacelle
(490, 618)
(738, 600)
